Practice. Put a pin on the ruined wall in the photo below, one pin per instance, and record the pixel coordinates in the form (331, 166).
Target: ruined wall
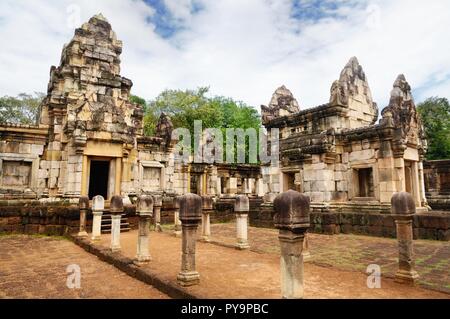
(22, 173)
(336, 155)
(88, 101)
(430, 225)
(437, 183)
(38, 217)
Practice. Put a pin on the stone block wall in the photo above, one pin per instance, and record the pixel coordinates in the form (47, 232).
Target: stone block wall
(431, 225)
(35, 217)
(437, 184)
(21, 172)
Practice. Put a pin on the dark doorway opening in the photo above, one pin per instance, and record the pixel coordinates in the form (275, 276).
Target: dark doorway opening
(365, 179)
(98, 180)
(195, 183)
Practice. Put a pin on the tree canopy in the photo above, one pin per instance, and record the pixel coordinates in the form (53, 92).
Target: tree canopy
(185, 107)
(22, 109)
(435, 113)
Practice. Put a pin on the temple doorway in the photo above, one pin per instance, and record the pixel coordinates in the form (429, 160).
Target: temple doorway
(99, 178)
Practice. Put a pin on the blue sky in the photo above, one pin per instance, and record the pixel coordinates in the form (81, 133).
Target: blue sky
(242, 49)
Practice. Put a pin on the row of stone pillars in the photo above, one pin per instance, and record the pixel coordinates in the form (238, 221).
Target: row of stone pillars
(241, 208)
(292, 218)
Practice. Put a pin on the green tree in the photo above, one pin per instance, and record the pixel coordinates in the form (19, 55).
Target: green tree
(185, 107)
(139, 100)
(23, 109)
(435, 113)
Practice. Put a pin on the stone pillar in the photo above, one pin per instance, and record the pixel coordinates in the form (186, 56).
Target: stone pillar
(84, 207)
(260, 187)
(190, 215)
(207, 208)
(219, 186)
(176, 217)
(292, 211)
(98, 206)
(306, 254)
(116, 215)
(144, 209)
(157, 205)
(247, 188)
(422, 185)
(232, 186)
(403, 209)
(242, 208)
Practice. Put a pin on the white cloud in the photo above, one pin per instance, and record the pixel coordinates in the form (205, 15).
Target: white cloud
(242, 49)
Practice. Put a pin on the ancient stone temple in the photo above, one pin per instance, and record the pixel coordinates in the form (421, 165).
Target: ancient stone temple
(89, 140)
(341, 157)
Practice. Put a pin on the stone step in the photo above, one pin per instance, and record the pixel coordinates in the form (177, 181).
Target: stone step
(122, 230)
(106, 223)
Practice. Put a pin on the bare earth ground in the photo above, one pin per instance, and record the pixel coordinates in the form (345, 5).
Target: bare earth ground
(35, 267)
(351, 252)
(228, 273)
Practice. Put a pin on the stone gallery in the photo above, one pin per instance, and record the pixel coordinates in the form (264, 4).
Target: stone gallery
(89, 141)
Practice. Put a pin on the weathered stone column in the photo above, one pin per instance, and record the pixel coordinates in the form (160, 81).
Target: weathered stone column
(422, 186)
(98, 206)
(207, 208)
(190, 215)
(403, 209)
(176, 217)
(232, 186)
(242, 208)
(116, 215)
(292, 219)
(144, 209)
(260, 187)
(157, 205)
(84, 207)
(306, 254)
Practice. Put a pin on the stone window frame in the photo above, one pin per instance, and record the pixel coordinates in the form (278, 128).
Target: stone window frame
(353, 196)
(34, 171)
(152, 164)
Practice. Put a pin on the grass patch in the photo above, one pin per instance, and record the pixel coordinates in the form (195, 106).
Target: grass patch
(10, 235)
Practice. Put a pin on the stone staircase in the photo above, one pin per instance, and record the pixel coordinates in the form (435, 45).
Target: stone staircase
(106, 223)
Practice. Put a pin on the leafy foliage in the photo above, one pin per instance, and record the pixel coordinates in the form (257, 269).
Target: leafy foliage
(23, 109)
(185, 107)
(435, 113)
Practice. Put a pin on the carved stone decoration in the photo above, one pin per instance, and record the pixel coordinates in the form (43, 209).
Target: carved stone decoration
(164, 129)
(352, 83)
(89, 91)
(401, 113)
(338, 95)
(282, 103)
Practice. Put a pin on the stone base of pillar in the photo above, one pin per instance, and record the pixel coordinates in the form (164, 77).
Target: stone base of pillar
(206, 239)
(242, 246)
(269, 197)
(141, 260)
(406, 277)
(95, 239)
(177, 233)
(306, 256)
(158, 228)
(116, 249)
(187, 279)
(83, 234)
